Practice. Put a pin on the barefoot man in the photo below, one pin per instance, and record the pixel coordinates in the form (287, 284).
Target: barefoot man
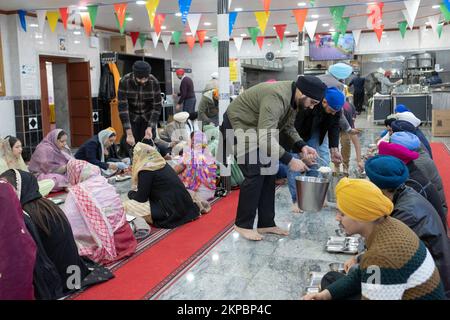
(260, 115)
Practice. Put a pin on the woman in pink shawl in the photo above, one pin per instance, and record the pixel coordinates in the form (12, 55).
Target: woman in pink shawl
(17, 249)
(96, 214)
(49, 160)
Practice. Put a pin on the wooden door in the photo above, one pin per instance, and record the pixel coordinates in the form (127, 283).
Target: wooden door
(80, 102)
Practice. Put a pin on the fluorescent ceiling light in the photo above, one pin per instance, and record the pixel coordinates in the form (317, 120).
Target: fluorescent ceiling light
(129, 18)
(315, 16)
(243, 35)
(301, 4)
(141, 3)
(287, 32)
(238, 9)
(436, 6)
(326, 25)
(332, 30)
(77, 33)
(33, 25)
(189, 33)
(207, 24)
(163, 28)
(178, 14)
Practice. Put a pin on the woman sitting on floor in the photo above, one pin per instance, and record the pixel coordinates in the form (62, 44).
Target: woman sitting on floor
(170, 203)
(49, 160)
(96, 214)
(197, 168)
(11, 158)
(57, 263)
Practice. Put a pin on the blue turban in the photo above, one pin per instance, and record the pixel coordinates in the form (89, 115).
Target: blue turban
(401, 108)
(406, 139)
(340, 70)
(401, 125)
(386, 172)
(335, 98)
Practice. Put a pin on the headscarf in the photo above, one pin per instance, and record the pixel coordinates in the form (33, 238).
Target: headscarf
(25, 183)
(200, 165)
(102, 137)
(48, 157)
(401, 125)
(398, 151)
(409, 117)
(80, 171)
(17, 249)
(386, 172)
(11, 161)
(335, 99)
(361, 200)
(146, 158)
(406, 139)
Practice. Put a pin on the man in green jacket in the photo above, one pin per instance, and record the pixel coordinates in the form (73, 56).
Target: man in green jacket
(253, 122)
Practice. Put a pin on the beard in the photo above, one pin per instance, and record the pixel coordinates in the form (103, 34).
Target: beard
(300, 103)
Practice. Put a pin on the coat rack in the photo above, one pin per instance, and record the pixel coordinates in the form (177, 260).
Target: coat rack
(108, 57)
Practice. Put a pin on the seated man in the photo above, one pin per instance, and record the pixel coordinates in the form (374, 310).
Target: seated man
(208, 109)
(395, 256)
(176, 134)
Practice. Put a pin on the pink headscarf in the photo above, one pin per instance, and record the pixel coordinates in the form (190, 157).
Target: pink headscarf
(398, 151)
(47, 157)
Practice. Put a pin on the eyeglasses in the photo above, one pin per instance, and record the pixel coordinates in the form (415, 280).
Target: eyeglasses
(313, 102)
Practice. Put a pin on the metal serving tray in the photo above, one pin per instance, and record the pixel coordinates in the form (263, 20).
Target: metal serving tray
(347, 245)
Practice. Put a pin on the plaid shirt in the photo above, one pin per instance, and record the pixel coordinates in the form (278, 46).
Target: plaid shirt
(136, 101)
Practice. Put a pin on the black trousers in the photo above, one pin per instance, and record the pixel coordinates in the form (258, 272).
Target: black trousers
(358, 100)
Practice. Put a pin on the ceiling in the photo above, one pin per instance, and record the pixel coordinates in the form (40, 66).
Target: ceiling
(280, 13)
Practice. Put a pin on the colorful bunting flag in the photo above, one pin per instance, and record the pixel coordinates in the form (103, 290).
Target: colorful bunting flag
(185, 6)
(260, 41)
(318, 40)
(434, 21)
(215, 42)
(93, 9)
(121, 10)
(122, 28)
(64, 13)
(166, 41)
(86, 23)
(356, 36)
(412, 7)
(232, 21)
(41, 14)
(194, 21)
(311, 27)
(335, 36)
(191, 42)
(238, 43)
(23, 22)
(408, 19)
(336, 13)
(343, 25)
(375, 13)
(267, 5)
(155, 38)
(254, 31)
(142, 40)
(151, 6)
(300, 17)
(262, 18)
(134, 37)
(402, 25)
(159, 21)
(312, 3)
(52, 17)
(445, 12)
(440, 27)
(379, 32)
(280, 29)
(176, 35)
(201, 34)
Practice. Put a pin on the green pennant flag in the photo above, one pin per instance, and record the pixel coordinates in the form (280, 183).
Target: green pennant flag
(439, 29)
(343, 25)
(93, 14)
(335, 36)
(176, 35)
(402, 25)
(254, 31)
(337, 12)
(281, 43)
(445, 12)
(312, 3)
(122, 30)
(142, 39)
(215, 42)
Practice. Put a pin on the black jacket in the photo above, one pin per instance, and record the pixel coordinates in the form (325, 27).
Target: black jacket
(418, 214)
(91, 151)
(308, 120)
(107, 91)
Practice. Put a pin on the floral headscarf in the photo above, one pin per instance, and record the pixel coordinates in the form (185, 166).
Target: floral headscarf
(147, 158)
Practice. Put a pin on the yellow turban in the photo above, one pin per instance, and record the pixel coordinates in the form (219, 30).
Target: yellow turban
(361, 200)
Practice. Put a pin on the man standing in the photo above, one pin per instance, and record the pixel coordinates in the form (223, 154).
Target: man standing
(358, 91)
(187, 99)
(140, 103)
(266, 110)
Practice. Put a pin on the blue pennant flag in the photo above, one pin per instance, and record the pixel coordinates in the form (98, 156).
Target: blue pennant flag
(185, 6)
(233, 17)
(22, 14)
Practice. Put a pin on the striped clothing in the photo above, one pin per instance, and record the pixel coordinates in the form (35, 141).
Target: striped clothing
(136, 101)
(396, 266)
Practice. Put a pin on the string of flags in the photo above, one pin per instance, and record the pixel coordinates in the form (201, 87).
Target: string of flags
(72, 20)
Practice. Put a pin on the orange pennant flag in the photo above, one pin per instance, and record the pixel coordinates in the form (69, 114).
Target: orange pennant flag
(300, 16)
(267, 5)
(379, 32)
(64, 13)
(191, 42)
(159, 21)
(201, 34)
(260, 41)
(86, 22)
(121, 10)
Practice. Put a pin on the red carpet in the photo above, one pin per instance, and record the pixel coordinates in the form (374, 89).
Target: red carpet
(138, 277)
(441, 156)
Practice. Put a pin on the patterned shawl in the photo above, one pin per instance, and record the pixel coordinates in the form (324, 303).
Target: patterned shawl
(147, 158)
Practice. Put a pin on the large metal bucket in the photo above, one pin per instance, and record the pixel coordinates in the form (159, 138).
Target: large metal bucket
(334, 180)
(311, 193)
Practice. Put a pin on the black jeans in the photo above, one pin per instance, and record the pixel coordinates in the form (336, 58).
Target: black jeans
(358, 100)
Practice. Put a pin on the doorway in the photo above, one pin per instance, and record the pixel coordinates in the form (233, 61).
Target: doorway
(66, 97)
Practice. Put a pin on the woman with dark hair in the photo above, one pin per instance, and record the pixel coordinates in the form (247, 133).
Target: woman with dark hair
(49, 160)
(53, 235)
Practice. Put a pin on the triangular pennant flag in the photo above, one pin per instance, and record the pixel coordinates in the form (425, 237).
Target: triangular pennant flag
(229, 4)
(52, 17)
(434, 21)
(191, 42)
(142, 40)
(201, 34)
(280, 29)
(176, 35)
(445, 12)
(375, 13)
(121, 9)
(254, 31)
(312, 3)
(379, 32)
(262, 18)
(151, 6)
(86, 22)
(408, 19)
(122, 28)
(23, 22)
(185, 6)
(335, 36)
(423, 32)
(300, 17)
(93, 9)
(336, 13)
(238, 43)
(356, 36)
(402, 25)
(412, 6)
(447, 4)
(159, 21)
(215, 42)
(344, 24)
(134, 37)
(166, 40)
(155, 38)
(232, 21)
(318, 40)
(281, 43)
(194, 21)
(41, 14)
(260, 41)
(311, 27)
(64, 13)
(440, 27)
(267, 5)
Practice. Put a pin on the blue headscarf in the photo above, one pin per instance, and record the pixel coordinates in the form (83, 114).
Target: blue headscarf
(401, 108)
(335, 98)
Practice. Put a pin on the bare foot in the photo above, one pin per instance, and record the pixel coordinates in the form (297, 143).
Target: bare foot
(248, 234)
(295, 208)
(274, 230)
(280, 182)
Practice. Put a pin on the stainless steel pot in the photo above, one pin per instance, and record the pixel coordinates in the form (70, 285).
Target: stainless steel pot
(412, 62)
